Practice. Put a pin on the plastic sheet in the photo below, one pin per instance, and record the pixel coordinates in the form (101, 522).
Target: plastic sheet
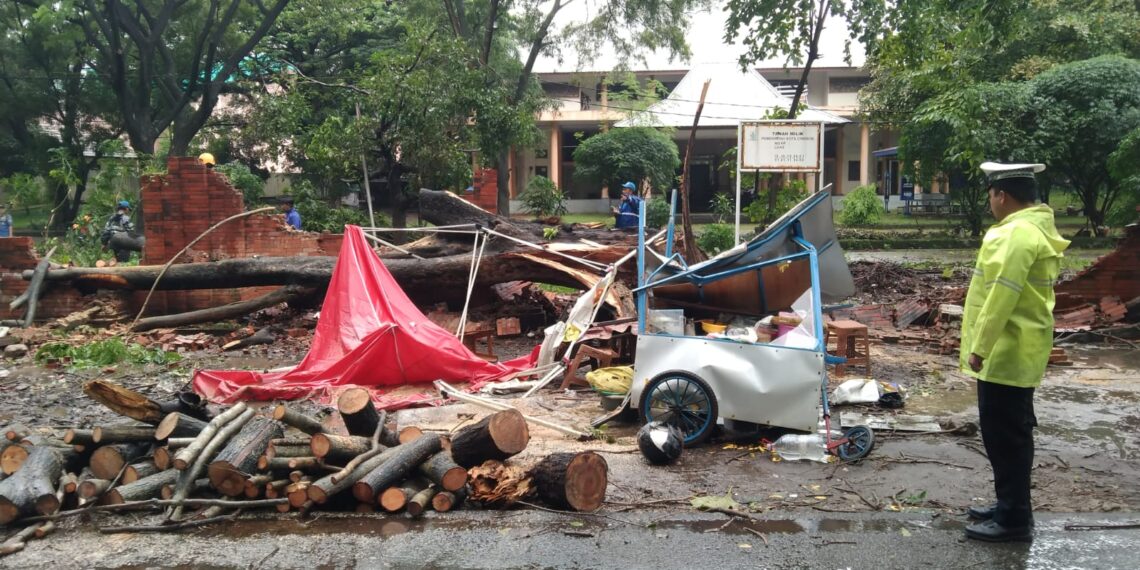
(370, 335)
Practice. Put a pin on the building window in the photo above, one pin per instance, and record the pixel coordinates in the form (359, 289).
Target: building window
(853, 170)
(541, 171)
(847, 84)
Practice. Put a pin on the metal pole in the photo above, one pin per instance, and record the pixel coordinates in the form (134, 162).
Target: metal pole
(739, 175)
(672, 216)
(642, 297)
(822, 160)
(367, 184)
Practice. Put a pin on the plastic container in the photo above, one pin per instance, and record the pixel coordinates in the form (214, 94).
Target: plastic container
(794, 446)
(710, 327)
(667, 321)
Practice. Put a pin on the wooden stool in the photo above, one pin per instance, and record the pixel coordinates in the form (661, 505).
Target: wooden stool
(604, 356)
(487, 334)
(851, 342)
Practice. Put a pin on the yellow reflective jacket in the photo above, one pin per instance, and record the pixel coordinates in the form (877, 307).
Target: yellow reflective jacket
(1008, 317)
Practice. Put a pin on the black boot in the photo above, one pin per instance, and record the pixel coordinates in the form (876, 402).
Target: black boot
(991, 531)
(982, 513)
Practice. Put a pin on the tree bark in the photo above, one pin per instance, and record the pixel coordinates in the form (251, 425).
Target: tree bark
(575, 481)
(442, 470)
(122, 434)
(402, 460)
(75, 436)
(693, 253)
(233, 464)
(109, 460)
(92, 488)
(124, 401)
(284, 414)
(145, 488)
(177, 424)
(225, 312)
(497, 436)
(22, 493)
(496, 484)
(285, 450)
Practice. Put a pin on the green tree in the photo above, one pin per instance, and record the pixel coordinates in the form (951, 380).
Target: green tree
(1082, 112)
(167, 61)
(1124, 164)
(641, 154)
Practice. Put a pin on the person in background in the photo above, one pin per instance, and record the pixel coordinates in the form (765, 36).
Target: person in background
(5, 222)
(291, 216)
(1007, 336)
(627, 213)
(120, 222)
(207, 159)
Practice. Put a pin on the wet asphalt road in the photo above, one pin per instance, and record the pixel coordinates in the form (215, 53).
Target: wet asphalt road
(529, 539)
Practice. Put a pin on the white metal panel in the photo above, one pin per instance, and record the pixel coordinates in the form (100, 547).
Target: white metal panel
(756, 383)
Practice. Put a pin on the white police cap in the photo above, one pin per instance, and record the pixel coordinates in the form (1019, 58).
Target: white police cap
(995, 171)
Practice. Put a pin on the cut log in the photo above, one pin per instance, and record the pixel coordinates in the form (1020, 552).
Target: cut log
(177, 424)
(254, 485)
(309, 425)
(444, 501)
(331, 447)
(124, 401)
(138, 471)
(575, 481)
(273, 488)
(419, 501)
(358, 412)
(36, 479)
(444, 472)
(403, 460)
(497, 436)
(298, 493)
(225, 312)
(164, 456)
(186, 456)
(36, 287)
(77, 436)
(143, 489)
(92, 488)
(109, 460)
(396, 498)
(13, 457)
(288, 464)
(233, 464)
(16, 433)
(409, 434)
(197, 486)
(496, 484)
(273, 451)
(104, 435)
(324, 488)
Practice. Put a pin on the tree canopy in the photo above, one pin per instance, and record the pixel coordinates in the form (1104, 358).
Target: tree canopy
(628, 154)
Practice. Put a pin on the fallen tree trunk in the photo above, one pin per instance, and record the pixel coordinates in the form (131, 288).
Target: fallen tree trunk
(231, 467)
(575, 481)
(23, 493)
(497, 436)
(124, 401)
(225, 312)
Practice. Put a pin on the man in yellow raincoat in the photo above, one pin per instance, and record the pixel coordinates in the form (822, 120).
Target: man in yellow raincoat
(1007, 335)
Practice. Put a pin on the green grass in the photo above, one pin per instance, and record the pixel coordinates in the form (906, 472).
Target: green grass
(34, 218)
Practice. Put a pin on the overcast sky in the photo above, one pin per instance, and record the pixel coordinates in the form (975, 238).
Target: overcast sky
(705, 35)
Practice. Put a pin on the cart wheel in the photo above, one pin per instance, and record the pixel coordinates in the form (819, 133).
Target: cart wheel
(860, 442)
(681, 400)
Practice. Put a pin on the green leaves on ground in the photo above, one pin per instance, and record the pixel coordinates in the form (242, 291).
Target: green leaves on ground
(724, 501)
(103, 353)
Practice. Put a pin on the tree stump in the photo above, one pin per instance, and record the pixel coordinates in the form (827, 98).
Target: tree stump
(497, 436)
(575, 481)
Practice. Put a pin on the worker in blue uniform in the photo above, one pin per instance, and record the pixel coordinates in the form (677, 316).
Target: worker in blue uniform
(626, 214)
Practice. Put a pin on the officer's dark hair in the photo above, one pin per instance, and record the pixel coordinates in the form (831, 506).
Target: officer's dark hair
(1022, 189)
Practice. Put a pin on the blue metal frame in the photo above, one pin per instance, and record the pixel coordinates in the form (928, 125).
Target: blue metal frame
(642, 295)
(672, 224)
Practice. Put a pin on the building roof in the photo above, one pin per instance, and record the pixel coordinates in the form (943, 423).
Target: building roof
(733, 96)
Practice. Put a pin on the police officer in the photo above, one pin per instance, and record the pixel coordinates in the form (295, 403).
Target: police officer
(1007, 335)
(627, 213)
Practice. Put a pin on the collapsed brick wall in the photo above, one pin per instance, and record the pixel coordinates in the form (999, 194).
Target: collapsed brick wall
(18, 254)
(176, 208)
(1116, 274)
(189, 199)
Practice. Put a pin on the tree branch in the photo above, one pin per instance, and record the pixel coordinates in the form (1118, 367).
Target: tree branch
(489, 33)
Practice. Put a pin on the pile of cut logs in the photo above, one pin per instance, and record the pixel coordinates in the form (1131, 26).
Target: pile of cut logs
(276, 457)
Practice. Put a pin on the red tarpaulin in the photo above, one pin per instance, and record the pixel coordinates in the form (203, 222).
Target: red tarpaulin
(370, 335)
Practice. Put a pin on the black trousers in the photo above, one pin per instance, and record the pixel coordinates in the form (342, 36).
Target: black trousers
(1007, 422)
